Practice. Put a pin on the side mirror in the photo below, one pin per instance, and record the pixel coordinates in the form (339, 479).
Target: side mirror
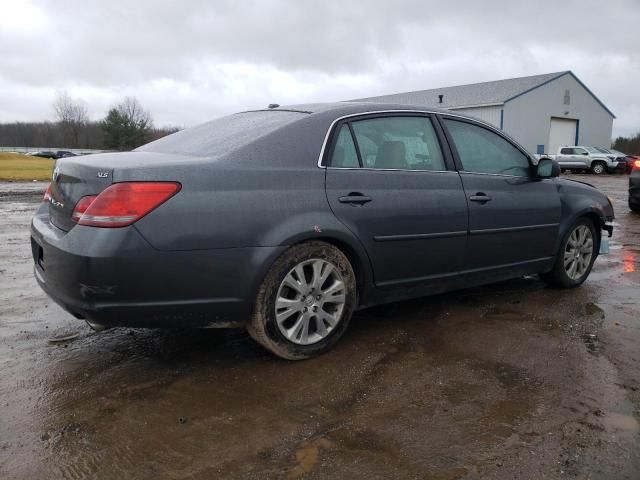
(585, 153)
(547, 168)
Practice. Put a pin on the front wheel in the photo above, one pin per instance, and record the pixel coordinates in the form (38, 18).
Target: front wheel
(598, 168)
(305, 302)
(576, 256)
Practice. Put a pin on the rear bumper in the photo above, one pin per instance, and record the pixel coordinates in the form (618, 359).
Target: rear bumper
(115, 278)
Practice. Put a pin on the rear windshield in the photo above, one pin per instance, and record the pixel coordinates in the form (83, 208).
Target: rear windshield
(223, 135)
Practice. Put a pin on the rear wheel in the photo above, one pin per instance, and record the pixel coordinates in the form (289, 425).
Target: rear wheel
(305, 302)
(598, 168)
(576, 256)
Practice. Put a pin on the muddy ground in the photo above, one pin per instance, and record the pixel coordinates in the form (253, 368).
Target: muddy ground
(513, 380)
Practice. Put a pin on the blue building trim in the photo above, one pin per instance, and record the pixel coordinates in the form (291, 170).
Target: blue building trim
(562, 74)
(577, 132)
(501, 118)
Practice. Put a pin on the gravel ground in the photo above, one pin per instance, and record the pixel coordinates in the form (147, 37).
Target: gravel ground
(514, 380)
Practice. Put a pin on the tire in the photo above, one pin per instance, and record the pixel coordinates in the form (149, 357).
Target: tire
(598, 168)
(562, 275)
(281, 311)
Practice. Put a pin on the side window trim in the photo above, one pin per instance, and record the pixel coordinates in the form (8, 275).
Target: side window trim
(355, 143)
(454, 150)
(332, 136)
(332, 141)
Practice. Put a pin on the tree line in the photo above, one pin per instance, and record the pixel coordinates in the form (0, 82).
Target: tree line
(628, 145)
(126, 126)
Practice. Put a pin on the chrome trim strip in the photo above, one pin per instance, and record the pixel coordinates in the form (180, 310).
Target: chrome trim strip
(493, 128)
(418, 236)
(390, 169)
(523, 228)
(465, 172)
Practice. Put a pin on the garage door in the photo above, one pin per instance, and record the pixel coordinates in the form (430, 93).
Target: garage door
(561, 133)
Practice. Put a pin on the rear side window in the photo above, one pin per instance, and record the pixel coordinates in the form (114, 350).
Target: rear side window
(344, 151)
(482, 151)
(566, 151)
(403, 143)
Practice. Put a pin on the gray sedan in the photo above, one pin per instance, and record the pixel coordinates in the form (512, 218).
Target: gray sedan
(287, 220)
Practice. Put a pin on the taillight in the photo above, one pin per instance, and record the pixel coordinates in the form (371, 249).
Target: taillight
(47, 194)
(122, 204)
(82, 206)
(636, 164)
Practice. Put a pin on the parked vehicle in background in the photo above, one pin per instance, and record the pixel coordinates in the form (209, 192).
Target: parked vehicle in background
(634, 186)
(286, 220)
(64, 154)
(44, 154)
(629, 159)
(580, 157)
(53, 154)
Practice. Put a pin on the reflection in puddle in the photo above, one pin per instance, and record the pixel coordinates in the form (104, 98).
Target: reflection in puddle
(629, 261)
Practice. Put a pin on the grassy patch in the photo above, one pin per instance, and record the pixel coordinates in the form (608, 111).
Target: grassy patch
(16, 166)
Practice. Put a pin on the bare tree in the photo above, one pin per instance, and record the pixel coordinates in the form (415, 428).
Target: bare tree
(72, 116)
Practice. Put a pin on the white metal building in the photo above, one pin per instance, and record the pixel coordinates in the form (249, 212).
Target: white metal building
(542, 112)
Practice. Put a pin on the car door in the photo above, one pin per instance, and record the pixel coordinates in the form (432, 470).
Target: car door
(565, 157)
(581, 157)
(514, 216)
(389, 180)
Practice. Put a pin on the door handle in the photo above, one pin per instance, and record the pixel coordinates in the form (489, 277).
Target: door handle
(355, 198)
(480, 197)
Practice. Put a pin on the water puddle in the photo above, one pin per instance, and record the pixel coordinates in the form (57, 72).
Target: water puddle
(307, 456)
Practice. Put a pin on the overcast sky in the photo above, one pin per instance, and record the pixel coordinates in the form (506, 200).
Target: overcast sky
(191, 61)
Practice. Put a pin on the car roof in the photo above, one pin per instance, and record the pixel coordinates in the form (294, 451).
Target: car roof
(346, 108)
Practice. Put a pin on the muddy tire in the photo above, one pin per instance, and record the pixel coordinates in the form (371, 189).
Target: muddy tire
(598, 168)
(305, 302)
(578, 251)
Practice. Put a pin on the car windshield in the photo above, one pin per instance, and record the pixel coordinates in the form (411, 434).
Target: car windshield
(223, 135)
(602, 150)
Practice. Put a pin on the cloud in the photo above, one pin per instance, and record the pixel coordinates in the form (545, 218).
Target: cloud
(194, 60)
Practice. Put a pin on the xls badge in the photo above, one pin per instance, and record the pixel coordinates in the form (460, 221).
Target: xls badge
(103, 174)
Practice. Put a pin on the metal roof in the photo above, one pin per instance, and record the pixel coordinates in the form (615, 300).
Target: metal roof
(496, 92)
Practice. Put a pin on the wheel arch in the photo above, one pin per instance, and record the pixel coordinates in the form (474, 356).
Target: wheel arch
(590, 213)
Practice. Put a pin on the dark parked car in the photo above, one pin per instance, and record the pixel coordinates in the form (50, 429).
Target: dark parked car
(634, 187)
(55, 155)
(286, 220)
(64, 154)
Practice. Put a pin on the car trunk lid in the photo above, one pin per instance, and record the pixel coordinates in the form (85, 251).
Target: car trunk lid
(72, 180)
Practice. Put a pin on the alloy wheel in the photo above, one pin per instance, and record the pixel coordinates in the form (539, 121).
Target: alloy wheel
(310, 301)
(578, 252)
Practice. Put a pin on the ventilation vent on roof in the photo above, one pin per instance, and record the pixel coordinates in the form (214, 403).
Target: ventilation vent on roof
(440, 97)
(567, 97)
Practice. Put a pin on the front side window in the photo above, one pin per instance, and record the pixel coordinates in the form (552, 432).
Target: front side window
(483, 151)
(581, 151)
(403, 143)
